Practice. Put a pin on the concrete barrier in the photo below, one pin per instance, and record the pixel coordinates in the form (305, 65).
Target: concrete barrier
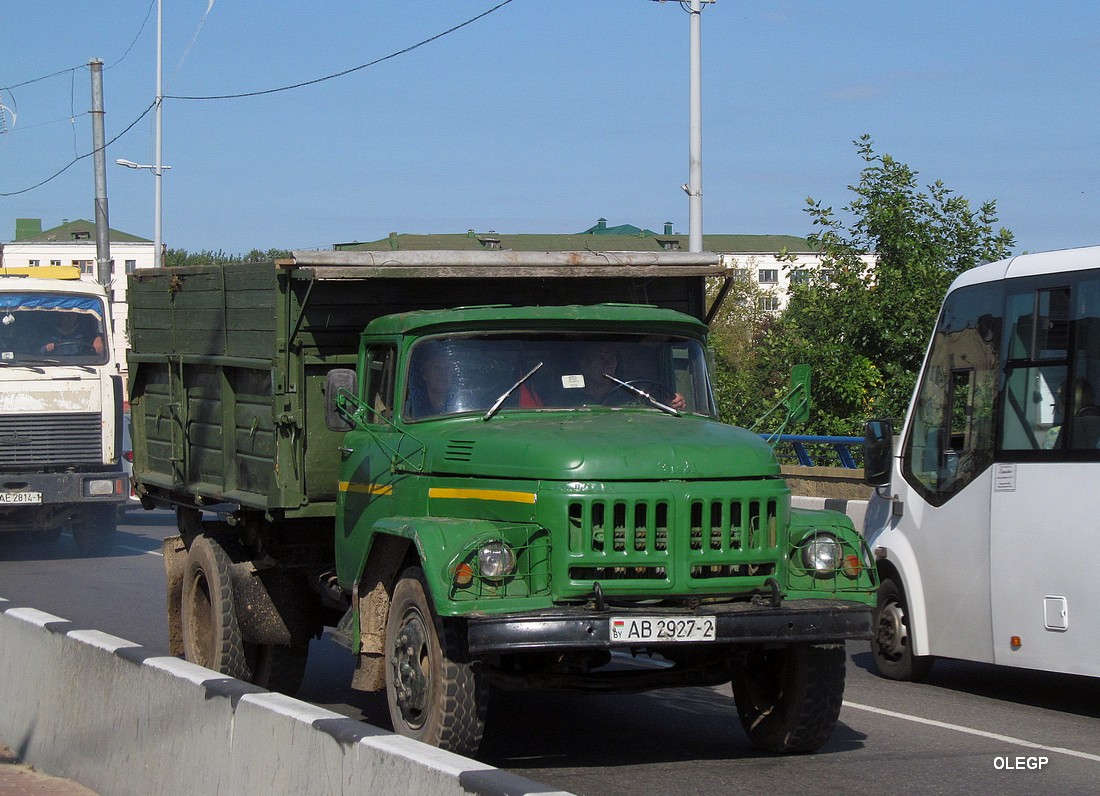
(101, 710)
(855, 509)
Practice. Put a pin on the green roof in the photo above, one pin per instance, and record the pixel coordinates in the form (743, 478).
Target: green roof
(607, 239)
(79, 230)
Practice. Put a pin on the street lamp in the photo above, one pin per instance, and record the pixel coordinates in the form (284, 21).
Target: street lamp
(157, 172)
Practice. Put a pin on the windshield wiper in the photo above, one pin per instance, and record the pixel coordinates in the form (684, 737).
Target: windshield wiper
(504, 397)
(643, 394)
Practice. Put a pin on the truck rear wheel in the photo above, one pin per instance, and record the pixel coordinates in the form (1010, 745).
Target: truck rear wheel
(433, 688)
(94, 530)
(211, 635)
(276, 667)
(789, 699)
(892, 644)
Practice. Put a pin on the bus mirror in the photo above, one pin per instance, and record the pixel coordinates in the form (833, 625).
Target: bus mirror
(339, 380)
(878, 449)
(798, 399)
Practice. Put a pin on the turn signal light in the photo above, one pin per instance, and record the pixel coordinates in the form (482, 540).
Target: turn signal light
(1016, 642)
(464, 575)
(851, 566)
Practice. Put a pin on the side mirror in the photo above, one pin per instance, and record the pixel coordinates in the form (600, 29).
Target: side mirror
(337, 380)
(878, 452)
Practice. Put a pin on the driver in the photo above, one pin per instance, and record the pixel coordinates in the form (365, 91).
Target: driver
(601, 358)
(69, 338)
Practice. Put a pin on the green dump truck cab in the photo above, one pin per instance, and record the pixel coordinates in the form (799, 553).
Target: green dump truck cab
(507, 496)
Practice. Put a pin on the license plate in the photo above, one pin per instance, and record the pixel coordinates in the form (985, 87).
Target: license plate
(632, 629)
(20, 497)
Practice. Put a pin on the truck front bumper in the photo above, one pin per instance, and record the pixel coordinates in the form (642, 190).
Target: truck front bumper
(741, 624)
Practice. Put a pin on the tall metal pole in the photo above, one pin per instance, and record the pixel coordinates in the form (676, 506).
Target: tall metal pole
(158, 171)
(99, 158)
(695, 152)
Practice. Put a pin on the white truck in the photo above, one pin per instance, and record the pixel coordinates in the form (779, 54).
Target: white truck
(61, 401)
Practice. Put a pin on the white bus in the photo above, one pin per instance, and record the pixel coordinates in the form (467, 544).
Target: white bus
(982, 522)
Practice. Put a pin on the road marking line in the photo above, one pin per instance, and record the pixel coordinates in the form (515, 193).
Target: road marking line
(139, 550)
(971, 731)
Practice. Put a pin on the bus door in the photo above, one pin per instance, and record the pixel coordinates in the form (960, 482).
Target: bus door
(947, 478)
(1045, 593)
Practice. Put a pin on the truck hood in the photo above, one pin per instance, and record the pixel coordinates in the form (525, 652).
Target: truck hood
(598, 446)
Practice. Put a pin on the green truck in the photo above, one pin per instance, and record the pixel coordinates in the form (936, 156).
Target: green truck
(481, 472)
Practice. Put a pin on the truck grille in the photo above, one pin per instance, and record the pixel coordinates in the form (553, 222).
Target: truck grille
(702, 538)
(45, 440)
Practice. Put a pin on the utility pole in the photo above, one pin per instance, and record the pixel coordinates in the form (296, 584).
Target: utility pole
(695, 148)
(99, 157)
(158, 169)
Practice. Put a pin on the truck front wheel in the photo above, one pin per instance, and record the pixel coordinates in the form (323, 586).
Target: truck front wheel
(433, 688)
(892, 645)
(211, 635)
(789, 699)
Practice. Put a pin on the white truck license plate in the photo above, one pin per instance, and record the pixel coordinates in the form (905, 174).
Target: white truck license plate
(20, 497)
(631, 629)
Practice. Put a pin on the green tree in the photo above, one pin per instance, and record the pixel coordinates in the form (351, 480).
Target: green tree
(737, 332)
(174, 257)
(864, 328)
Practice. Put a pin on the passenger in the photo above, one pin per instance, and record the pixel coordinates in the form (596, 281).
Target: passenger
(69, 337)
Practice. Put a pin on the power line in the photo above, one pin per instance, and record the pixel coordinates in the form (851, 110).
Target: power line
(79, 158)
(347, 71)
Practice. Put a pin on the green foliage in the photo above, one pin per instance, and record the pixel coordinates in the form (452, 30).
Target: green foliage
(862, 328)
(174, 257)
(736, 336)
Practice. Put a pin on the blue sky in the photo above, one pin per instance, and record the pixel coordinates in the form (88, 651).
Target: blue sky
(547, 114)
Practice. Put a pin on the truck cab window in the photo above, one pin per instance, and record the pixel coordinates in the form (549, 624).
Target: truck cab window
(380, 382)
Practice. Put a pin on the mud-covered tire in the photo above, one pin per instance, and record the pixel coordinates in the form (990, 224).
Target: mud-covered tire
(211, 635)
(94, 531)
(891, 646)
(277, 667)
(433, 687)
(789, 699)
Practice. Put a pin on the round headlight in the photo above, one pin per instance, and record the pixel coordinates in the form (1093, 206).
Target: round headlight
(821, 554)
(496, 561)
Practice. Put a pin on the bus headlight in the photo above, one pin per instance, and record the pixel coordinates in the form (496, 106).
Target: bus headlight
(821, 554)
(496, 561)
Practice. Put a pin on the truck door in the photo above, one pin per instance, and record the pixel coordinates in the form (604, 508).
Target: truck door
(367, 469)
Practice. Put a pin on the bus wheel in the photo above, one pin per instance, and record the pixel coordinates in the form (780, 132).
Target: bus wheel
(892, 644)
(789, 699)
(208, 615)
(433, 688)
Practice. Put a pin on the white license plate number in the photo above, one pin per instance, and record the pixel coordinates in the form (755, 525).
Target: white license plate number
(20, 497)
(634, 629)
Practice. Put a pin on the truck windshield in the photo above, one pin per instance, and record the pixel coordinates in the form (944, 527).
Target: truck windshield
(468, 373)
(51, 329)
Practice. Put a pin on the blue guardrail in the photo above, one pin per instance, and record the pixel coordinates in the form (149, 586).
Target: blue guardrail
(814, 451)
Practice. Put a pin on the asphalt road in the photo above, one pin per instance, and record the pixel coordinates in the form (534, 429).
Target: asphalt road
(970, 729)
